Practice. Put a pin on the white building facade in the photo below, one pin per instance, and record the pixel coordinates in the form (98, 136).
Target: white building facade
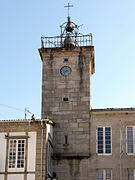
(24, 148)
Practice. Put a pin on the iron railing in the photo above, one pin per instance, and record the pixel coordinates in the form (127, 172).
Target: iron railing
(58, 41)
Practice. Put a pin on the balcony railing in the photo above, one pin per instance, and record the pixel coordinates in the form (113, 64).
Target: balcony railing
(59, 41)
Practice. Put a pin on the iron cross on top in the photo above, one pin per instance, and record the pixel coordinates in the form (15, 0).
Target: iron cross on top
(68, 6)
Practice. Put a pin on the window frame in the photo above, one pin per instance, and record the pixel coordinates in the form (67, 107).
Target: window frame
(133, 170)
(104, 148)
(17, 154)
(104, 173)
(133, 153)
(49, 156)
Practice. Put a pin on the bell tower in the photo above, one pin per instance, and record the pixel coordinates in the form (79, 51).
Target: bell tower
(68, 63)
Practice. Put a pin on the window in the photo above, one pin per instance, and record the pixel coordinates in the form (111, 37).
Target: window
(104, 174)
(104, 140)
(65, 99)
(131, 140)
(131, 174)
(50, 158)
(16, 153)
(65, 59)
(66, 140)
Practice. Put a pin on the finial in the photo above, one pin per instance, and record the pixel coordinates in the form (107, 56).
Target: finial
(68, 6)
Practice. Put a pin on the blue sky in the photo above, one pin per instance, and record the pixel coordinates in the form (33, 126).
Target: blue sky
(22, 23)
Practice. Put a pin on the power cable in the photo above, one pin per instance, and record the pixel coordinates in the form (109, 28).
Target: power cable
(26, 110)
(3, 116)
(11, 107)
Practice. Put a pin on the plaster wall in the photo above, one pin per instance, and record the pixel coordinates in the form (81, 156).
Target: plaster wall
(15, 177)
(2, 152)
(32, 151)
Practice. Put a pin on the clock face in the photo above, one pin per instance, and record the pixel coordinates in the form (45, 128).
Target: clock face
(65, 70)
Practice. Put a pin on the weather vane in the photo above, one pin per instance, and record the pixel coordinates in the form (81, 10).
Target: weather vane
(68, 6)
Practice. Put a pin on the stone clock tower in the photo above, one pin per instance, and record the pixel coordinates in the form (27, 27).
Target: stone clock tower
(68, 62)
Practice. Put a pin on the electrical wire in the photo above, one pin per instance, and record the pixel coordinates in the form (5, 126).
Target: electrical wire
(11, 107)
(3, 116)
(26, 110)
